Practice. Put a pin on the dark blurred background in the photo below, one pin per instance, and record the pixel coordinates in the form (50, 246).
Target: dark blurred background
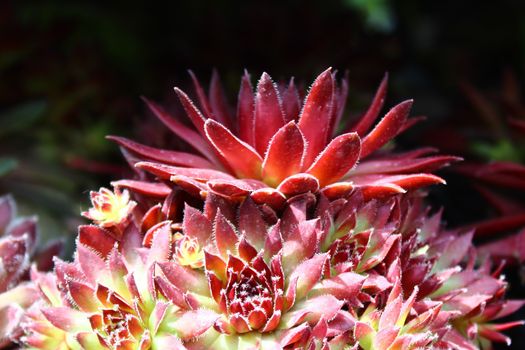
(72, 72)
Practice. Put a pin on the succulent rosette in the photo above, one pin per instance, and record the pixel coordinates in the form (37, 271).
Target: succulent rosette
(274, 236)
(277, 147)
(219, 283)
(18, 242)
(231, 277)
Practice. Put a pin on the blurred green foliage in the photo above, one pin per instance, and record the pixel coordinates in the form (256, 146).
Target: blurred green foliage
(378, 13)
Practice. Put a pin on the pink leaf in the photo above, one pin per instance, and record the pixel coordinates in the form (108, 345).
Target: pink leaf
(201, 95)
(315, 117)
(308, 273)
(336, 159)
(245, 111)
(196, 225)
(268, 113)
(229, 189)
(192, 111)
(185, 133)
(252, 224)
(184, 278)
(191, 324)
(298, 184)
(225, 235)
(285, 154)
(243, 159)
(386, 129)
(165, 172)
(291, 102)
(146, 188)
(270, 196)
(162, 155)
(366, 121)
(218, 102)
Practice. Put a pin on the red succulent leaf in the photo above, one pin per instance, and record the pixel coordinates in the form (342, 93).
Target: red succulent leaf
(7, 212)
(455, 251)
(201, 95)
(192, 111)
(337, 190)
(184, 278)
(273, 242)
(385, 338)
(298, 184)
(214, 202)
(252, 224)
(96, 238)
(344, 286)
(308, 273)
(500, 224)
(313, 309)
(291, 101)
(193, 187)
(292, 335)
(152, 217)
(26, 228)
(196, 225)
(386, 129)
(315, 119)
(172, 293)
(244, 160)
(370, 116)
(274, 198)
(162, 155)
(160, 250)
(381, 190)
(341, 95)
(341, 154)
(285, 154)
(508, 248)
(185, 133)
(150, 189)
(407, 165)
(246, 251)
(218, 102)
(268, 113)
(91, 263)
(245, 111)
(397, 183)
(165, 172)
(229, 188)
(391, 313)
(225, 235)
(83, 295)
(215, 264)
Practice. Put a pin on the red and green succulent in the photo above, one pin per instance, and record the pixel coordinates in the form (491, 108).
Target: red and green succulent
(274, 236)
(18, 250)
(277, 147)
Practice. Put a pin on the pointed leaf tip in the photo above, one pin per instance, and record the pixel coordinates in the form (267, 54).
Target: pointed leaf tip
(387, 128)
(268, 112)
(244, 160)
(315, 119)
(370, 116)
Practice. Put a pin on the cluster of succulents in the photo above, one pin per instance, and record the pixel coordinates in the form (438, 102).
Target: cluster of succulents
(271, 232)
(18, 253)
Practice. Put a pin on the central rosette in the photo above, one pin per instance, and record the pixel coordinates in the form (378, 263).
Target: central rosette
(250, 296)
